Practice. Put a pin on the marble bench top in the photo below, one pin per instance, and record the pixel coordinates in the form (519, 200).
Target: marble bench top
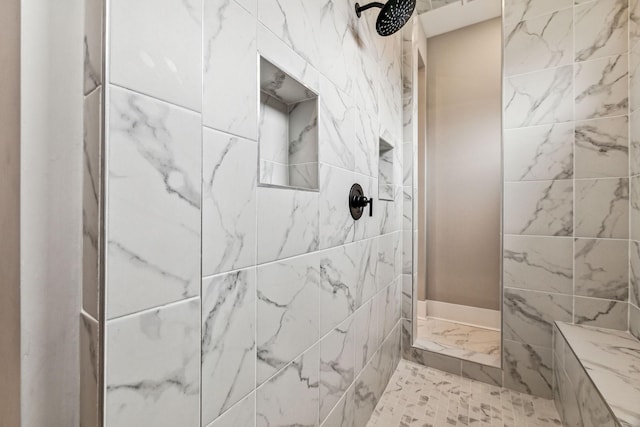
(612, 361)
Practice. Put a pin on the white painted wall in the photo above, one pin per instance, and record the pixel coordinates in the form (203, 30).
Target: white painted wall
(51, 233)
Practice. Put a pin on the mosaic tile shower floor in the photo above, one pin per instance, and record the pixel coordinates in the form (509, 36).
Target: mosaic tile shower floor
(418, 396)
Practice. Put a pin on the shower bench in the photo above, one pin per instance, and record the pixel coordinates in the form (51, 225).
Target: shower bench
(596, 376)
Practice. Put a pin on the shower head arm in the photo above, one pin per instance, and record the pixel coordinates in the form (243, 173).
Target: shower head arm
(360, 9)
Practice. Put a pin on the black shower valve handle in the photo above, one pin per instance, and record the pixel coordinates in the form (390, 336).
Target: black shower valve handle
(363, 201)
(358, 201)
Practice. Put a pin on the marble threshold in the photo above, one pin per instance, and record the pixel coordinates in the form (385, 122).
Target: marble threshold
(473, 343)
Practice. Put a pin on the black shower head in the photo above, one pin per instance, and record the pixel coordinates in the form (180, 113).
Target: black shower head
(393, 16)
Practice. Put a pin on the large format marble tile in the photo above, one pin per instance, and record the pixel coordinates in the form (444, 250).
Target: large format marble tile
(154, 202)
(91, 202)
(228, 202)
(366, 143)
(343, 415)
(296, 23)
(538, 43)
(389, 308)
(528, 315)
(634, 143)
(290, 398)
(390, 94)
(539, 153)
(602, 148)
(337, 369)
(228, 341)
(601, 88)
(230, 68)
(338, 285)
(611, 359)
(634, 208)
(338, 47)
(602, 268)
(93, 31)
(528, 368)
(336, 224)
(89, 400)
(601, 29)
(541, 97)
(154, 62)
(367, 339)
(152, 367)
(386, 260)
(287, 311)
(634, 78)
(407, 208)
(367, 270)
(540, 208)
(287, 223)
(634, 321)
(519, 10)
(538, 263)
(337, 132)
(634, 273)
(601, 313)
(242, 414)
(602, 208)
(634, 23)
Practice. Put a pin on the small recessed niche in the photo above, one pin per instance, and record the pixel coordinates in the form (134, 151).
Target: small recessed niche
(288, 130)
(385, 171)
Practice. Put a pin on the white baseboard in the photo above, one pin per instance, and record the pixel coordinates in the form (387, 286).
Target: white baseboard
(474, 316)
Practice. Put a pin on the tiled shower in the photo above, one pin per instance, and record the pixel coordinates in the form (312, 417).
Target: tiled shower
(217, 292)
(229, 297)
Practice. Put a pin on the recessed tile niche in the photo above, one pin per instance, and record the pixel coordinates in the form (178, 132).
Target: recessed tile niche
(385, 171)
(288, 130)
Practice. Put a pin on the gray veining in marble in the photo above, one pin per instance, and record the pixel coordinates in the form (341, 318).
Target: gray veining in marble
(601, 313)
(288, 309)
(290, 398)
(228, 202)
(602, 208)
(602, 148)
(228, 341)
(528, 368)
(337, 352)
(601, 87)
(539, 208)
(538, 98)
(529, 315)
(601, 29)
(154, 199)
(538, 43)
(601, 268)
(539, 153)
(153, 367)
(612, 362)
(538, 263)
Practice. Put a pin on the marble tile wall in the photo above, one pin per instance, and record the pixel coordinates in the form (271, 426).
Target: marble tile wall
(226, 302)
(91, 341)
(634, 169)
(567, 185)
